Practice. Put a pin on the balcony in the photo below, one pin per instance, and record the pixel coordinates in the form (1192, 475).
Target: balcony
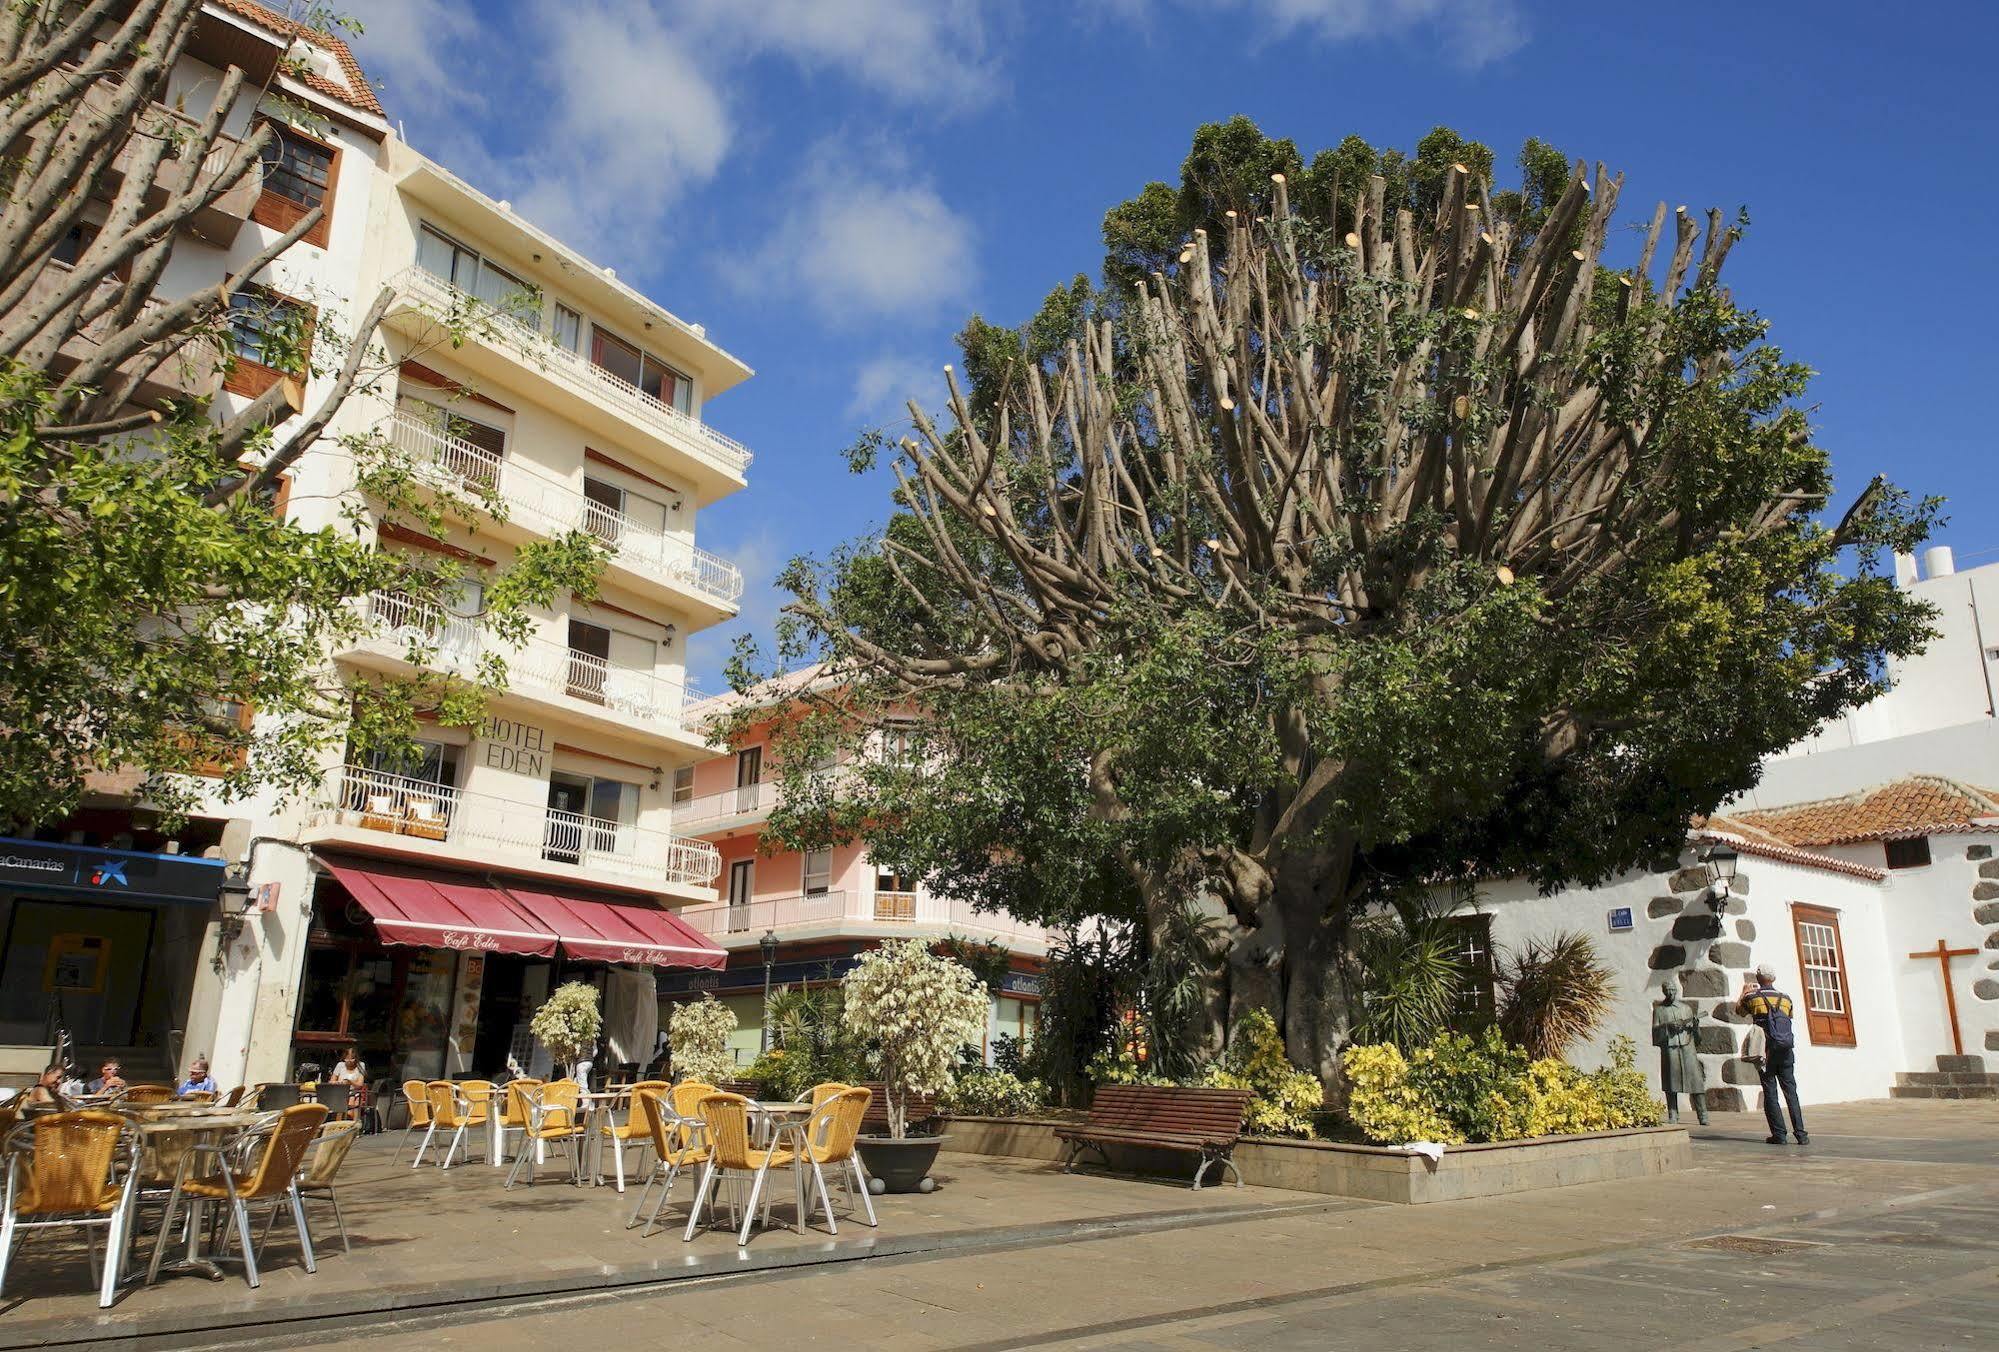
(872, 914)
(412, 634)
(218, 221)
(729, 808)
(395, 814)
(195, 372)
(550, 507)
(570, 381)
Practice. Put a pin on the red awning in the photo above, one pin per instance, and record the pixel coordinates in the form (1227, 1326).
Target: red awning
(620, 931)
(442, 910)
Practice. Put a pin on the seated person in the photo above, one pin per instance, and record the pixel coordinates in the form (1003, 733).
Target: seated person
(47, 1091)
(110, 1078)
(349, 1069)
(198, 1080)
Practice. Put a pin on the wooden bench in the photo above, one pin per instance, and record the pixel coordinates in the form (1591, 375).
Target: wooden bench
(1192, 1121)
(921, 1115)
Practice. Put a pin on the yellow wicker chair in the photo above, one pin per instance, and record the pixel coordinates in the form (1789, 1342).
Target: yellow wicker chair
(272, 1178)
(514, 1104)
(726, 1118)
(317, 1174)
(819, 1093)
(631, 1133)
(73, 1169)
(139, 1094)
(674, 1144)
(197, 1096)
(460, 1108)
(416, 1098)
(554, 1118)
(829, 1140)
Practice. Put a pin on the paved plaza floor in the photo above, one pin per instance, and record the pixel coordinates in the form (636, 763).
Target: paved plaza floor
(1883, 1233)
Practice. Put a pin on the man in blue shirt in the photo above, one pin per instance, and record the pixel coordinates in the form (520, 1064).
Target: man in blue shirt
(198, 1080)
(1771, 1010)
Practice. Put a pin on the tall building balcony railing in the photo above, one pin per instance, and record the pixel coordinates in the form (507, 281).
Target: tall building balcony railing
(550, 507)
(524, 343)
(737, 924)
(751, 801)
(456, 644)
(416, 816)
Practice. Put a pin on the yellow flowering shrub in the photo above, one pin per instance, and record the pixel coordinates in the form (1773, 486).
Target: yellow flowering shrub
(1382, 1102)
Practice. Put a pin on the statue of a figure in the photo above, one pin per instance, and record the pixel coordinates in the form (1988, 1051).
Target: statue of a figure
(1675, 1032)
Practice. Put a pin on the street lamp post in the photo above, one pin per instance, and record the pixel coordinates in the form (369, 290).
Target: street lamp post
(1720, 862)
(768, 946)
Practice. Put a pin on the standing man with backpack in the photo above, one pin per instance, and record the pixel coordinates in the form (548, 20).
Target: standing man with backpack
(1770, 1009)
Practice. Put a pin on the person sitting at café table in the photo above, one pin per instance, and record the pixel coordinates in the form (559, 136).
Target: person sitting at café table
(349, 1069)
(198, 1080)
(110, 1078)
(47, 1091)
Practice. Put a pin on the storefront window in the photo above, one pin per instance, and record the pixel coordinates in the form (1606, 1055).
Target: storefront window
(319, 1008)
(424, 1019)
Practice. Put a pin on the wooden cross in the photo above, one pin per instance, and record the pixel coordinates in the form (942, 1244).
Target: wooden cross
(1943, 953)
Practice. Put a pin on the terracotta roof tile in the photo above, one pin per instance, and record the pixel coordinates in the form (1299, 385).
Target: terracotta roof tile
(1752, 840)
(1918, 805)
(356, 93)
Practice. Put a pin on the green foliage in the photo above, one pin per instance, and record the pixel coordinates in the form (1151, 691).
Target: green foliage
(1407, 971)
(1176, 989)
(568, 1022)
(1459, 1089)
(1554, 993)
(697, 1033)
(1120, 1065)
(915, 1010)
(780, 1076)
(808, 1024)
(1286, 1097)
(995, 1093)
(1086, 985)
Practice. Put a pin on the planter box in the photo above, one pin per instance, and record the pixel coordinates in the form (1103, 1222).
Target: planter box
(1370, 1172)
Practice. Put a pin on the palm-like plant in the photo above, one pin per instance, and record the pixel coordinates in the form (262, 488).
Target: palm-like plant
(1409, 974)
(1177, 981)
(1554, 993)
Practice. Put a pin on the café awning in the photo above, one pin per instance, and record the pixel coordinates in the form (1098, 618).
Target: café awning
(602, 930)
(433, 909)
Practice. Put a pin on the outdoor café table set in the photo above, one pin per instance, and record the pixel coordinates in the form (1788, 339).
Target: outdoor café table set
(99, 1161)
(753, 1137)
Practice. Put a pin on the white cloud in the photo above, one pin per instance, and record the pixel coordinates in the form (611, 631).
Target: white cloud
(404, 44)
(1474, 31)
(865, 241)
(933, 52)
(884, 385)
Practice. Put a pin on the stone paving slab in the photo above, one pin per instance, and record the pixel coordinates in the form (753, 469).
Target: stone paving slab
(426, 1237)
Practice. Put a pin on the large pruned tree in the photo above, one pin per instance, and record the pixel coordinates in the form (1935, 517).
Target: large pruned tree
(158, 617)
(1339, 549)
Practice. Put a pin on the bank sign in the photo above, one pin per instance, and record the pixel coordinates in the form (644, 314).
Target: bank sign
(108, 874)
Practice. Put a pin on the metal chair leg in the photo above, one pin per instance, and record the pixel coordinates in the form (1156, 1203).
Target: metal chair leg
(339, 1221)
(160, 1244)
(241, 1210)
(7, 1235)
(825, 1200)
(867, 1193)
(525, 1157)
(750, 1211)
(700, 1197)
(304, 1236)
(428, 1133)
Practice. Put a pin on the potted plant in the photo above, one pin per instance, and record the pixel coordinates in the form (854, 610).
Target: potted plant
(698, 1037)
(568, 1024)
(916, 1010)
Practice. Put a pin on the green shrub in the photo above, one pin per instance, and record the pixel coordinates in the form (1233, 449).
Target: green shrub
(1459, 1089)
(995, 1093)
(1285, 1096)
(781, 1076)
(1120, 1065)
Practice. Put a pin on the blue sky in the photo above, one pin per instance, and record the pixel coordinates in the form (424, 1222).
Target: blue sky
(832, 186)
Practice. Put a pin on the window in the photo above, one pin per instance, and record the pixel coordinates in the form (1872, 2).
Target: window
(270, 336)
(895, 899)
(427, 762)
(1822, 959)
(566, 328)
(683, 784)
(641, 370)
(474, 450)
(818, 873)
(220, 736)
(445, 258)
(1911, 853)
(612, 511)
(298, 176)
(1473, 955)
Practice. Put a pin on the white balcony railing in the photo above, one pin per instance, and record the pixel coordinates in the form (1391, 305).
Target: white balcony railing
(577, 372)
(456, 644)
(714, 807)
(724, 920)
(549, 506)
(499, 830)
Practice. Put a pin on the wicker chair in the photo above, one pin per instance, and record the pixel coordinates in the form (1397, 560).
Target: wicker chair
(457, 1107)
(554, 1118)
(139, 1094)
(514, 1103)
(829, 1141)
(72, 1169)
(675, 1146)
(726, 1118)
(633, 1132)
(272, 1179)
(316, 1177)
(416, 1094)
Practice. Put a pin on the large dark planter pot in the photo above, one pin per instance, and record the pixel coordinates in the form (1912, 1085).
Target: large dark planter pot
(900, 1166)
